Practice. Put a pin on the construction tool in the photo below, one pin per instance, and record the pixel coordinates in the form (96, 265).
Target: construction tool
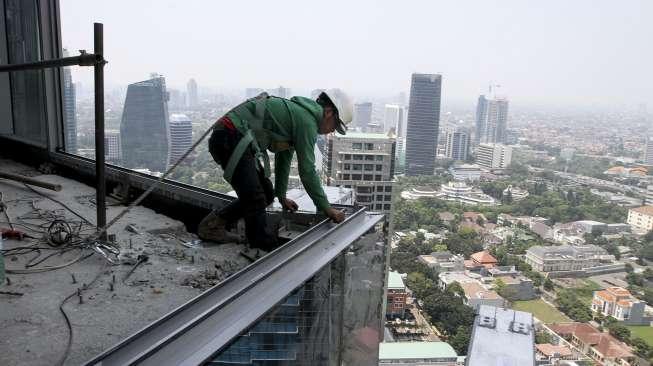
(14, 234)
(142, 258)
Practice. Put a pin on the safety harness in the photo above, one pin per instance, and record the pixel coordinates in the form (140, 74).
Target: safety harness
(254, 135)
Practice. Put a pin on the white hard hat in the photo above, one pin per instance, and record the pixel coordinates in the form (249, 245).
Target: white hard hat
(345, 108)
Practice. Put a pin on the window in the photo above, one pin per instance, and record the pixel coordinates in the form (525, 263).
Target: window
(355, 177)
(388, 197)
(347, 167)
(388, 188)
(369, 146)
(379, 157)
(369, 167)
(358, 157)
(386, 207)
(364, 199)
(364, 189)
(379, 167)
(357, 146)
(379, 188)
(379, 206)
(346, 176)
(379, 197)
(377, 178)
(347, 156)
(369, 157)
(347, 185)
(358, 166)
(367, 177)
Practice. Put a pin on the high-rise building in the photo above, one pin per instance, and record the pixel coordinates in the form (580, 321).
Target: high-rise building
(69, 110)
(648, 151)
(181, 136)
(144, 130)
(280, 92)
(364, 162)
(649, 195)
(394, 118)
(457, 144)
(191, 91)
(493, 156)
(362, 114)
(113, 149)
(177, 99)
(423, 124)
(491, 120)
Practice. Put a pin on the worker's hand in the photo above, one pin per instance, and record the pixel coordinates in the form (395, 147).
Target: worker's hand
(335, 215)
(288, 204)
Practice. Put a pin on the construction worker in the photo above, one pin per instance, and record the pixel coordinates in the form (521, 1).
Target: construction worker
(239, 143)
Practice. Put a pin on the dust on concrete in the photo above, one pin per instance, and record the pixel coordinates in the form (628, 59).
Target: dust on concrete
(179, 268)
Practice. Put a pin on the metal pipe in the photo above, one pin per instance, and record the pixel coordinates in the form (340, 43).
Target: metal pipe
(30, 181)
(101, 186)
(85, 59)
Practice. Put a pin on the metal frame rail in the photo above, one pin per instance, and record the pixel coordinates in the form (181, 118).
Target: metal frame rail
(96, 59)
(197, 330)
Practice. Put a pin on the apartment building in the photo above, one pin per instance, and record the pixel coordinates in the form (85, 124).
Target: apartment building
(641, 218)
(620, 304)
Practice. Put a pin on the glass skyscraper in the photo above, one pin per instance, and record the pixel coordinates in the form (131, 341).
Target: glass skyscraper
(423, 124)
(144, 131)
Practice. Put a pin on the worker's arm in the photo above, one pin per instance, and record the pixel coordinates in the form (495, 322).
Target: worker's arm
(282, 161)
(305, 148)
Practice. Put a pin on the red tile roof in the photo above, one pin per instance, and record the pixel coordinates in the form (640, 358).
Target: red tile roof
(484, 257)
(549, 349)
(646, 210)
(604, 343)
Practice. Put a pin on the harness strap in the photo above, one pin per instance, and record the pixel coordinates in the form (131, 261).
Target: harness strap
(238, 152)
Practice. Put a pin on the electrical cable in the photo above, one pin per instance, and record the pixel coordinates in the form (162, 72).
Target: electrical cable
(61, 203)
(79, 291)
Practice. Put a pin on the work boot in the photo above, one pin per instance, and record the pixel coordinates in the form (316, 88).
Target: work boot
(214, 228)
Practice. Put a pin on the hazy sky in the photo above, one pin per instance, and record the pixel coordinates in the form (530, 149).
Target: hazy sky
(542, 52)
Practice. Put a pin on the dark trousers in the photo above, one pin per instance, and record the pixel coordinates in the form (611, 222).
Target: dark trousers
(255, 191)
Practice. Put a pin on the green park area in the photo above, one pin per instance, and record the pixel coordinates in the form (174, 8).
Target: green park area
(642, 331)
(541, 310)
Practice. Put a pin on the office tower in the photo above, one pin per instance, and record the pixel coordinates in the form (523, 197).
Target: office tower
(191, 91)
(69, 110)
(423, 124)
(112, 147)
(181, 136)
(648, 151)
(362, 114)
(493, 156)
(177, 99)
(144, 130)
(491, 120)
(393, 117)
(457, 144)
(364, 162)
(501, 336)
(280, 92)
(252, 92)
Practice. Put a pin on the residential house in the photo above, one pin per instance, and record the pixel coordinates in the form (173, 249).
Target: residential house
(477, 295)
(481, 259)
(620, 304)
(552, 353)
(443, 261)
(601, 347)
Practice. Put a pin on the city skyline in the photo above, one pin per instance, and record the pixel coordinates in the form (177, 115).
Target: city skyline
(538, 64)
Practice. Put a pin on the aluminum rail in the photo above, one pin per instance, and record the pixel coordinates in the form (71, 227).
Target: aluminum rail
(194, 332)
(96, 60)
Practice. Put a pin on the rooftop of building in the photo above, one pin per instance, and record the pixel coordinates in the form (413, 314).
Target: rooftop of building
(604, 343)
(501, 337)
(646, 210)
(474, 290)
(550, 350)
(395, 282)
(484, 257)
(565, 250)
(416, 350)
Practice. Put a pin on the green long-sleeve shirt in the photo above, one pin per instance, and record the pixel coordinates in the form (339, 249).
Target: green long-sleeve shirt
(295, 122)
